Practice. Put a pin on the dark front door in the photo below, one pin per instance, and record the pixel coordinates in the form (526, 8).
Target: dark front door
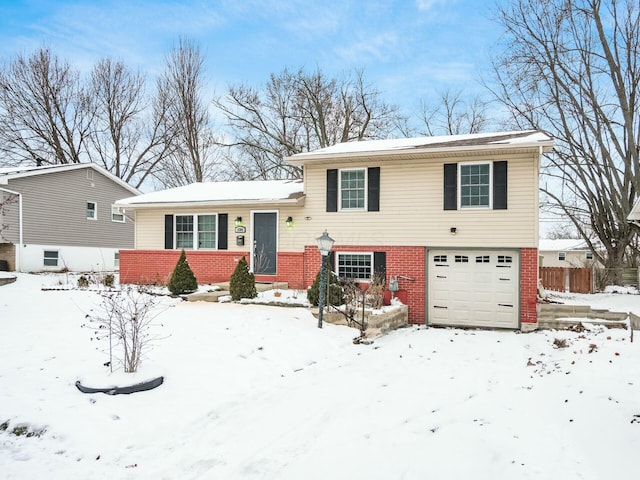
(264, 243)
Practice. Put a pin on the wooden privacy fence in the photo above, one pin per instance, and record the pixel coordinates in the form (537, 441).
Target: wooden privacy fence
(561, 279)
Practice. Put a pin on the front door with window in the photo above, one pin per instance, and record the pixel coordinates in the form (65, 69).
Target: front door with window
(265, 234)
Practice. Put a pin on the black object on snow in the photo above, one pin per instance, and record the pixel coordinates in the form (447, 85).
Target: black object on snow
(138, 387)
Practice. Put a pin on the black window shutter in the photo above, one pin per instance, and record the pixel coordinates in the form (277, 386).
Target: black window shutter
(168, 232)
(499, 185)
(223, 231)
(373, 194)
(380, 262)
(332, 190)
(450, 186)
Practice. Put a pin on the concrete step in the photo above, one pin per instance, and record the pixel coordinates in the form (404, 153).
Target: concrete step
(224, 290)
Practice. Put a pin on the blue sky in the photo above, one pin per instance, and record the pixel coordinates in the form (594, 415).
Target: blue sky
(408, 49)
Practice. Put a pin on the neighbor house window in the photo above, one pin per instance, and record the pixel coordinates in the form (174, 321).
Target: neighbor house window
(589, 255)
(356, 266)
(562, 256)
(352, 189)
(196, 231)
(92, 211)
(116, 259)
(116, 214)
(50, 258)
(475, 185)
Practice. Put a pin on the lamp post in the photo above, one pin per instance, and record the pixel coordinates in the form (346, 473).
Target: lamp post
(325, 244)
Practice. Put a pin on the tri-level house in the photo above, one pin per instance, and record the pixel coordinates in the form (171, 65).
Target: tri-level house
(453, 219)
(63, 217)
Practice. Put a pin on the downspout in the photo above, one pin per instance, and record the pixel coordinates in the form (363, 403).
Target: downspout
(19, 257)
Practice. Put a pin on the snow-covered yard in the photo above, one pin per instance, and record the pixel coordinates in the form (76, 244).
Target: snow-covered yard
(259, 392)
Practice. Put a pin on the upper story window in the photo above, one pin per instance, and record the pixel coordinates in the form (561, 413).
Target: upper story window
(475, 185)
(562, 255)
(92, 211)
(352, 189)
(194, 232)
(589, 255)
(357, 266)
(116, 214)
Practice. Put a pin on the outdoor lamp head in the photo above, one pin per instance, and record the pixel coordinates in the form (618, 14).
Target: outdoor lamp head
(325, 243)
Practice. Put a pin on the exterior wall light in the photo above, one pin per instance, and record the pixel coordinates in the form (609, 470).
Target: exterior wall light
(238, 221)
(289, 221)
(453, 230)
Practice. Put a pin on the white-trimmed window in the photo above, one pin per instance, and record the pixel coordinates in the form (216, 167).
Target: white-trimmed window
(353, 189)
(92, 211)
(116, 214)
(357, 266)
(116, 259)
(562, 256)
(50, 258)
(588, 255)
(196, 232)
(475, 185)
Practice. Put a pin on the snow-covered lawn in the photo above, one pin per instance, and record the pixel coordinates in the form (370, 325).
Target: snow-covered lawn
(259, 392)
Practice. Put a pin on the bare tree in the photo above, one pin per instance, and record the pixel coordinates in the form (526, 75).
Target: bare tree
(572, 68)
(125, 317)
(194, 155)
(45, 113)
(298, 112)
(452, 114)
(128, 136)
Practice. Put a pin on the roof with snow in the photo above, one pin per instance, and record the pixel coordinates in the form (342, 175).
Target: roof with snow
(10, 173)
(634, 216)
(561, 245)
(221, 193)
(478, 141)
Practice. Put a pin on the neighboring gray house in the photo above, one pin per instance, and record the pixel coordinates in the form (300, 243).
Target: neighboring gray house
(62, 217)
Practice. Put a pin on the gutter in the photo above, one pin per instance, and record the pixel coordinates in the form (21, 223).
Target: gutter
(20, 229)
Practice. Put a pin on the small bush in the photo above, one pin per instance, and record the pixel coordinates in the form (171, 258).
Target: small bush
(242, 283)
(334, 294)
(182, 279)
(83, 282)
(109, 280)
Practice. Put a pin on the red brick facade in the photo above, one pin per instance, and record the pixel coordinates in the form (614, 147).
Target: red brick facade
(299, 269)
(528, 285)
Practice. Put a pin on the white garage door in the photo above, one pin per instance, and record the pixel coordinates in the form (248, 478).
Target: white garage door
(476, 288)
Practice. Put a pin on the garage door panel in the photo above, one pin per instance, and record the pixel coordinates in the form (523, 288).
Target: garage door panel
(474, 288)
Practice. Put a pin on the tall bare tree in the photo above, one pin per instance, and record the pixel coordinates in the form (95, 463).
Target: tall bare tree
(45, 113)
(297, 112)
(194, 155)
(453, 114)
(572, 67)
(128, 137)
